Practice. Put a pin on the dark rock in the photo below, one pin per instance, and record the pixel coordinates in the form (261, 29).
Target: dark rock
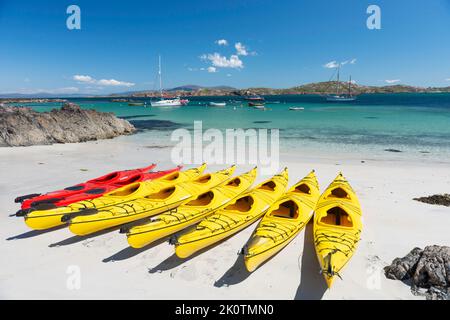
(392, 150)
(426, 269)
(137, 116)
(401, 268)
(155, 124)
(21, 126)
(440, 199)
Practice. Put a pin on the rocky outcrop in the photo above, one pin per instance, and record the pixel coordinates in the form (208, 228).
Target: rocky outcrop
(427, 270)
(21, 126)
(440, 199)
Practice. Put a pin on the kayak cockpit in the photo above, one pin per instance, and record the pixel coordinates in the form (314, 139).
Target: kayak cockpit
(339, 193)
(202, 200)
(236, 182)
(287, 209)
(337, 216)
(126, 191)
(106, 178)
(243, 204)
(162, 194)
(302, 188)
(269, 186)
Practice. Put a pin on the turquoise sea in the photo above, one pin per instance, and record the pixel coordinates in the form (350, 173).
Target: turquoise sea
(411, 123)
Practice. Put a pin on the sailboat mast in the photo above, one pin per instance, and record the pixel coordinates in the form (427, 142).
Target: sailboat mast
(339, 67)
(349, 86)
(160, 76)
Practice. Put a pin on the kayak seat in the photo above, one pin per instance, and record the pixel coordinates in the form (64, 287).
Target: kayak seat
(172, 176)
(287, 209)
(74, 188)
(127, 190)
(204, 179)
(338, 217)
(270, 186)
(303, 188)
(105, 178)
(162, 194)
(243, 204)
(236, 182)
(202, 200)
(339, 193)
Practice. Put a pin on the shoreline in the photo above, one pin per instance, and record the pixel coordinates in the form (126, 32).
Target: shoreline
(393, 225)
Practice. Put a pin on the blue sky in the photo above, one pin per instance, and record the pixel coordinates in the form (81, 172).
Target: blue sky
(281, 44)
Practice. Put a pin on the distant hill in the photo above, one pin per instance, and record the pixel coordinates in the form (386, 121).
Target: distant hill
(192, 87)
(195, 90)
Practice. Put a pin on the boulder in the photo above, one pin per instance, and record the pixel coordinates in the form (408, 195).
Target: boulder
(427, 269)
(22, 126)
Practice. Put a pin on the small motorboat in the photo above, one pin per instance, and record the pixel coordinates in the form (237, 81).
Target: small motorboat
(217, 104)
(296, 108)
(255, 104)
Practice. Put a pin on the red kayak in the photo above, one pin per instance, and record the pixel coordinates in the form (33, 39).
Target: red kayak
(89, 190)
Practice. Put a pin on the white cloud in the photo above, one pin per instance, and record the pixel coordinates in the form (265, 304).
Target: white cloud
(335, 64)
(392, 81)
(228, 74)
(102, 82)
(221, 42)
(82, 78)
(241, 49)
(115, 83)
(331, 64)
(212, 69)
(223, 62)
(448, 79)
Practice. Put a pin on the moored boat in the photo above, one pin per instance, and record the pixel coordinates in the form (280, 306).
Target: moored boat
(217, 104)
(165, 102)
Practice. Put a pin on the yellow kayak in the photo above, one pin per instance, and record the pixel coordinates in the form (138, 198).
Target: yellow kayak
(159, 201)
(45, 219)
(284, 220)
(189, 213)
(337, 227)
(239, 214)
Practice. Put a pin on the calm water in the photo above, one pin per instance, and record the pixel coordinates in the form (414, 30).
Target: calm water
(415, 123)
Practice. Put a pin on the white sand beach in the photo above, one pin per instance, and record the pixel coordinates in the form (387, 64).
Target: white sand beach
(35, 263)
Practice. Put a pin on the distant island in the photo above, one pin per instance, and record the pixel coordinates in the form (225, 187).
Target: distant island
(318, 88)
(310, 88)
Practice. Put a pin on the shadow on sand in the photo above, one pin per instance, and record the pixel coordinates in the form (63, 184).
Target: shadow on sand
(236, 274)
(173, 261)
(130, 252)
(34, 233)
(312, 285)
(76, 239)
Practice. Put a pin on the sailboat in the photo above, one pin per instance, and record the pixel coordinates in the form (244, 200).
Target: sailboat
(341, 97)
(177, 102)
